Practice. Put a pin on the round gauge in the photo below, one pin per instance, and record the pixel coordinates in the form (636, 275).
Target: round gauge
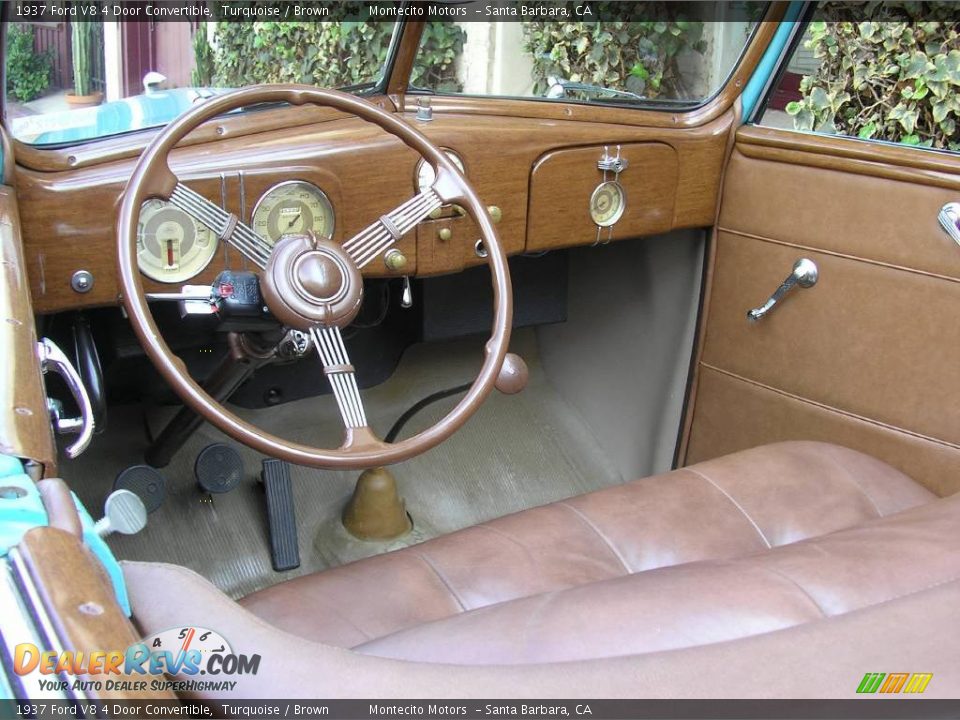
(171, 245)
(426, 175)
(184, 639)
(293, 207)
(607, 203)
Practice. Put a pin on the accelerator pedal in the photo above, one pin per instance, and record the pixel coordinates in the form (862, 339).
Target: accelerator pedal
(281, 515)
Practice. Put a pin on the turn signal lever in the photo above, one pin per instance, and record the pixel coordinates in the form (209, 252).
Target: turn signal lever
(52, 358)
(123, 512)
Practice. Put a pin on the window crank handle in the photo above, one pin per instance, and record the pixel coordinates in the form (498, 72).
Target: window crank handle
(804, 275)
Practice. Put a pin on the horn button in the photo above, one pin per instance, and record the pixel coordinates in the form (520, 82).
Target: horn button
(309, 282)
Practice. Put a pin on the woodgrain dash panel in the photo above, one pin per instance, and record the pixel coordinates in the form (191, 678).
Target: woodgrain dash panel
(563, 181)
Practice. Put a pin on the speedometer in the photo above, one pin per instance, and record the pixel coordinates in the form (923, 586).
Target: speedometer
(426, 175)
(171, 245)
(293, 208)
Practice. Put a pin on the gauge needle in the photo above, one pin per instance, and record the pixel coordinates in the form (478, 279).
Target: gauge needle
(188, 639)
(293, 220)
(170, 253)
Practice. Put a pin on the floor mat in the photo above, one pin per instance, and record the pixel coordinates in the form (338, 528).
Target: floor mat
(516, 452)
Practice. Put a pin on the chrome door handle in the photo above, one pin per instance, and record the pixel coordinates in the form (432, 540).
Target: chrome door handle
(52, 358)
(949, 218)
(804, 275)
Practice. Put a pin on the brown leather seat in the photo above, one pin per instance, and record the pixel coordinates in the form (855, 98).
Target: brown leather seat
(778, 538)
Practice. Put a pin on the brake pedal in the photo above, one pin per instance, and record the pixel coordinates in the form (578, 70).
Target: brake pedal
(218, 468)
(281, 515)
(145, 482)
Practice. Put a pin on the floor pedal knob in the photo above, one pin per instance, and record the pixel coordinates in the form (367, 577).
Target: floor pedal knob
(218, 469)
(281, 515)
(145, 482)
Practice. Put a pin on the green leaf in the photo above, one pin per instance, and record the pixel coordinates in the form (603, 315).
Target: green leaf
(793, 107)
(861, 74)
(940, 111)
(917, 65)
(819, 98)
(905, 116)
(867, 131)
(803, 120)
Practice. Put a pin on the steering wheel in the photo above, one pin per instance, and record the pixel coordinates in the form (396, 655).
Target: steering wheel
(310, 284)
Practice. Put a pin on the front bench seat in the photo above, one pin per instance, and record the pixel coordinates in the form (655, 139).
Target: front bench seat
(780, 537)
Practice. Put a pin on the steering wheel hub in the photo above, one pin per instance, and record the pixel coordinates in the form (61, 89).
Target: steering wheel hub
(310, 282)
(318, 276)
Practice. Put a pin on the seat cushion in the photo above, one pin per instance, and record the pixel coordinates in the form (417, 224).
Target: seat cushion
(717, 510)
(701, 603)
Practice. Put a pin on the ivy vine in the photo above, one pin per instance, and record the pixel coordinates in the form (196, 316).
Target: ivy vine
(620, 53)
(327, 54)
(889, 71)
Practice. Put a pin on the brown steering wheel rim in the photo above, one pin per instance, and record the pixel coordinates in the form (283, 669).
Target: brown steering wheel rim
(152, 178)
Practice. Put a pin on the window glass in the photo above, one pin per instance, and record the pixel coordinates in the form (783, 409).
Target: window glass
(78, 79)
(875, 71)
(620, 53)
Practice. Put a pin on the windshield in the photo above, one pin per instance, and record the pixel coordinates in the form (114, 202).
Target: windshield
(76, 79)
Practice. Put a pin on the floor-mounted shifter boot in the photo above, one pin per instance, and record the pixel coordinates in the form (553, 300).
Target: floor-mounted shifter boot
(376, 511)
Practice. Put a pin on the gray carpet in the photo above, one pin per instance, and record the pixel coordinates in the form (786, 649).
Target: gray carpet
(516, 452)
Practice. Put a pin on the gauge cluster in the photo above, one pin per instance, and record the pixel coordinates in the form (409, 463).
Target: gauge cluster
(173, 246)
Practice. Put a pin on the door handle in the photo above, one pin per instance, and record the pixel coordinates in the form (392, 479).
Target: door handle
(949, 218)
(804, 275)
(52, 359)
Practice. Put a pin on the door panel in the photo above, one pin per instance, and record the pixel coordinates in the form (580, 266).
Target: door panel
(868, 356)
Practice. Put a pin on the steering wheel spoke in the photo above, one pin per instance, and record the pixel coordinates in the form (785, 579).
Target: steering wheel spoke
(370, 242)
(227, 226)
(340, 373)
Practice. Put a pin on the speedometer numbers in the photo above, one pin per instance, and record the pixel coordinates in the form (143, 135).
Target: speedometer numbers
(608, 200)
(293, 208)
(171, 245)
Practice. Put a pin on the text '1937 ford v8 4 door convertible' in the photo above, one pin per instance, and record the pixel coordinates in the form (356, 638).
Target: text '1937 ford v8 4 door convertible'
(515, 359)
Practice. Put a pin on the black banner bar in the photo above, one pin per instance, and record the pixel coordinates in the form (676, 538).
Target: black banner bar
(914, 708)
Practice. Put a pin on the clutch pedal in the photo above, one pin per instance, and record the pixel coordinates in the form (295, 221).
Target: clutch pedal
(281, 515)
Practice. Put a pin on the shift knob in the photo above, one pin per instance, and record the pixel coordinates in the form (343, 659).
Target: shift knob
(513, 375)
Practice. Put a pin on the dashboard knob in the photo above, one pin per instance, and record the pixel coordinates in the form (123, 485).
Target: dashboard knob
(496, 214)
(444, 234)
(395, 260)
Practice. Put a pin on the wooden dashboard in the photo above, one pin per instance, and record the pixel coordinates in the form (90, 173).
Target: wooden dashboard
(539, 172)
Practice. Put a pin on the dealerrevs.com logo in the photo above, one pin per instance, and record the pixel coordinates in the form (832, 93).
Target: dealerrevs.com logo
(185, 651)
(913, 683)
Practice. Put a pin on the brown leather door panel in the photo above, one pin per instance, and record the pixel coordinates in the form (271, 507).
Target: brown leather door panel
(867, 357)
